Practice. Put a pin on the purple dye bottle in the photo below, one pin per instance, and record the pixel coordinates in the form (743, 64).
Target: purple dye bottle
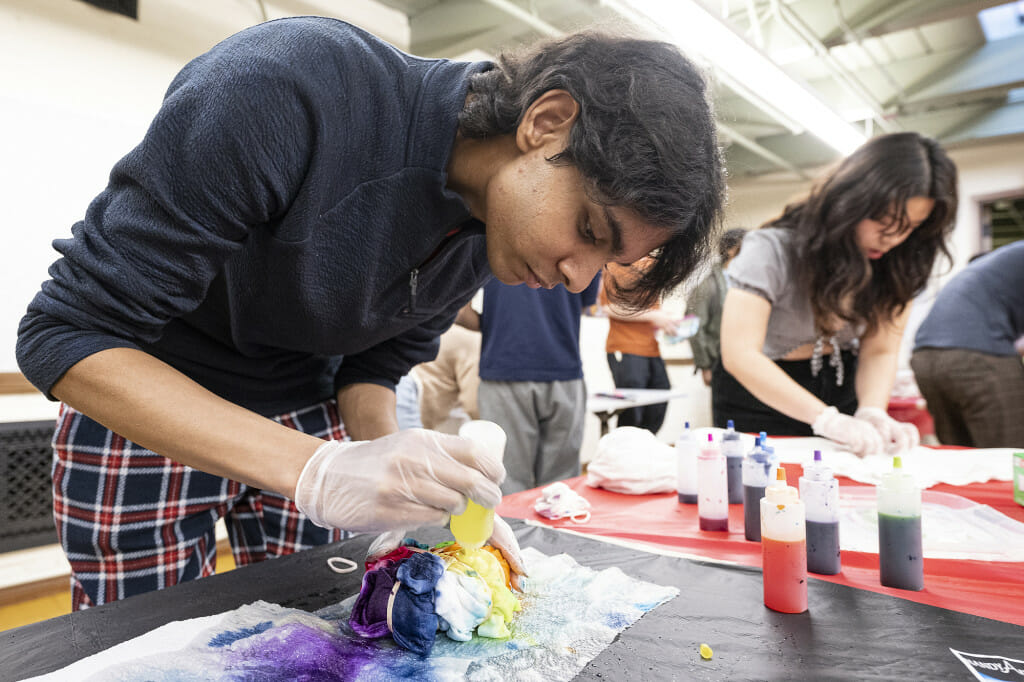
(686, 461)
(900, 550)
(713, 488)
(732, 448)
(757, 474)
(820, 492)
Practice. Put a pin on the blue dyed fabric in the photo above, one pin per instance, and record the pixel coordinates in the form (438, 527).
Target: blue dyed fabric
(413, 616)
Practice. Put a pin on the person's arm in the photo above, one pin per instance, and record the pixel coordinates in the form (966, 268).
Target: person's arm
(367, 410)
(468, 318)
(744, 325)
(877, 361)
(657, 317)
(876, 372)
(152, 404)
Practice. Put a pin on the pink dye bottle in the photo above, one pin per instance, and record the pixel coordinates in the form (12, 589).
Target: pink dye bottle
(712, 488)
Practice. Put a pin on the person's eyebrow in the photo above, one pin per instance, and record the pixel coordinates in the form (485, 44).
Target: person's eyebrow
(615, 227)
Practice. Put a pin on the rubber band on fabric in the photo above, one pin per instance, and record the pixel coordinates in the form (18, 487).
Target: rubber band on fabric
(347, 565)
(559, 501)
(391, 603)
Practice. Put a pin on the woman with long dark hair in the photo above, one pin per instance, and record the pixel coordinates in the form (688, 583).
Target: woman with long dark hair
(819, 298)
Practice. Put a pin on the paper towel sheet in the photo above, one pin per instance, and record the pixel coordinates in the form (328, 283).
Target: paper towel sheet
(570, 614)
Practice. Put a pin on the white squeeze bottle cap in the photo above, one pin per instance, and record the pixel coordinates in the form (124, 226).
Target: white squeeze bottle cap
(782, 512)
(474, 527)
(898, 493)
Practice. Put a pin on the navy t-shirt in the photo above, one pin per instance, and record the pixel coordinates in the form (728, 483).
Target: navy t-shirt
(532, 334)
(981, 308)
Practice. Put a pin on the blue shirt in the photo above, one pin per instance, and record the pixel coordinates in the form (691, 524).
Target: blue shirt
(283, 228)
(981, 308)
(532, 334)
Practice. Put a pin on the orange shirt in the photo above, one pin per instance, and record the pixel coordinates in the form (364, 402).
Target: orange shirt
(634, 338)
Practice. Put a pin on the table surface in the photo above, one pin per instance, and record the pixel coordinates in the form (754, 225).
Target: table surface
(847, 633)
(631, 397)
(658, 522)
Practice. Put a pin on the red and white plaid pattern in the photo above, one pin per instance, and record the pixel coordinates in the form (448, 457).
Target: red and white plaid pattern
(131, 521)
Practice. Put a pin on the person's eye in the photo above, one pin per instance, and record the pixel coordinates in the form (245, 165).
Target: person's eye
(587, 233)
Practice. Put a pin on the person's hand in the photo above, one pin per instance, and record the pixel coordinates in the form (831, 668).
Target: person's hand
(706, 375)
(405, 480)
(1019, 345)
(896, 436)
(664, 322)
(502, 538)
(858, 436)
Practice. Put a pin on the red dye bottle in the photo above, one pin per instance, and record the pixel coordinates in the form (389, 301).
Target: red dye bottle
(783, 547)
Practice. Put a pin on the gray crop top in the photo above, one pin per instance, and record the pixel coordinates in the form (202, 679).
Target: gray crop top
(764, 267)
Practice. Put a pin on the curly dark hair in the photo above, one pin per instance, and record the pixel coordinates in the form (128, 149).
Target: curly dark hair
(729, 240)
(875, 182)
(645, 138)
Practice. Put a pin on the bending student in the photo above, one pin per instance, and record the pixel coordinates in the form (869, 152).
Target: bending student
(819, 298)
(967, 353)
(307, 213)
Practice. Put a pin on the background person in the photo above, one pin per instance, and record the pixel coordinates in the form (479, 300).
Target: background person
(965, 360)
(634, 356)
(706, 302)
(819, 298)
(306, 214)
(531, 379)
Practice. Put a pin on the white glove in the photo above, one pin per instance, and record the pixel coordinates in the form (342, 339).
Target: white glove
(503, 539)
(405, 480)
(858, 436)
(897, 436)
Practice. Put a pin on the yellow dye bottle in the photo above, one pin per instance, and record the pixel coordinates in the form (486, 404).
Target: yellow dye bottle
(473, 527)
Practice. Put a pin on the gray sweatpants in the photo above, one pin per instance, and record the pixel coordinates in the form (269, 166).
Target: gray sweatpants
(544, 424)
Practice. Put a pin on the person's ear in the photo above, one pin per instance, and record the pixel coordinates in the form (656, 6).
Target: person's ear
(548, 119)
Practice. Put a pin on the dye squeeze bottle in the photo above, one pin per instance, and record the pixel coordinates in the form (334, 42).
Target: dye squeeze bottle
(713, 488)
(757, 470)
(900, 552)
(819, 491)
(783, 547)
(732, 448)
(473, 527)
(686, 460)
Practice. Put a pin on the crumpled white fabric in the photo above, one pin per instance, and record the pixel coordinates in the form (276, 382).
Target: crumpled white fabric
(559, 501)
(929, 466)
(633, 461)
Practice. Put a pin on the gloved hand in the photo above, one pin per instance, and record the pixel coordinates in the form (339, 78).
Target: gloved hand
(896, 436)
(503, 539)
(857, 435)
(408, 479)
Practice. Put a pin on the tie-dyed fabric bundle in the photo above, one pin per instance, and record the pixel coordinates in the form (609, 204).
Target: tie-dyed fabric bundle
(569, 614)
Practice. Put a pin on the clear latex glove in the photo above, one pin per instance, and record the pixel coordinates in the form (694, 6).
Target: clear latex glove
(408, 479)
(503, 539)
(897, 436)
(858, 436)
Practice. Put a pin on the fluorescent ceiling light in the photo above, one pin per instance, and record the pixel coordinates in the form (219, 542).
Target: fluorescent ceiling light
(696, 30)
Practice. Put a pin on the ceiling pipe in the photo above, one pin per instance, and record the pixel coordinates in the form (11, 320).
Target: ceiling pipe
(798, 27)
(544, 27)
(859, 42)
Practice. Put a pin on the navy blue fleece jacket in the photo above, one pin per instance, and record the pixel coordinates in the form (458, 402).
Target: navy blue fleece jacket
(282, 230)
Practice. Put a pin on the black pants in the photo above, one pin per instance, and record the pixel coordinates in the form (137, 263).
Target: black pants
(730, 400)
(638, 371)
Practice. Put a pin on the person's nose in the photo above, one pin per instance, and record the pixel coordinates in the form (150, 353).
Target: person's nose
(579, 269)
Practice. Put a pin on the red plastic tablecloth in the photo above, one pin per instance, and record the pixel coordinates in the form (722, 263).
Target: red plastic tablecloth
(983, 588)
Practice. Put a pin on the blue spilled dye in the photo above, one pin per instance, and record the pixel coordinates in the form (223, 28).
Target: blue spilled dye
(232, 636)
(617, 620)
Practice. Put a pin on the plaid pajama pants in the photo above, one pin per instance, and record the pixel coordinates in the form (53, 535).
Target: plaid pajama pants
(131, 521)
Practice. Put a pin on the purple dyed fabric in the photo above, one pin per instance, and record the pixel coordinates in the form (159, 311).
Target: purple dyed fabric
(370, 612)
